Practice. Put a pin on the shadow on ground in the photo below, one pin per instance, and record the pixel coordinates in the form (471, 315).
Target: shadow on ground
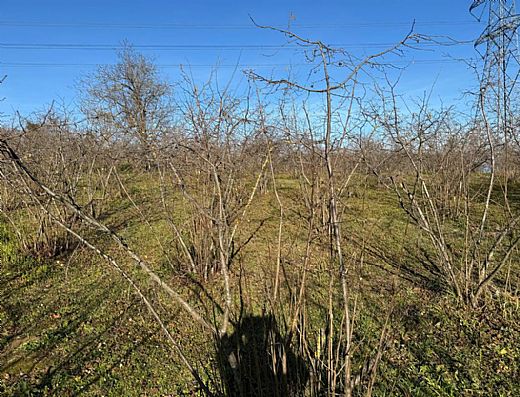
(255, 361)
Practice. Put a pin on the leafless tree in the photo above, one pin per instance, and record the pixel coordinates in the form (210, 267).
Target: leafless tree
(128, 102)
(340, 74)
(439, 187)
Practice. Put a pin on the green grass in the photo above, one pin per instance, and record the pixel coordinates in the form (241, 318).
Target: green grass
(70, 325)
(75, 328)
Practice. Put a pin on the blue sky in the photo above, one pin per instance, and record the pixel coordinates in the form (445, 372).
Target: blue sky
(197, 32)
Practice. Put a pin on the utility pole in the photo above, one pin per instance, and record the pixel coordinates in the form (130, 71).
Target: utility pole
(500, 70)
(501, 50)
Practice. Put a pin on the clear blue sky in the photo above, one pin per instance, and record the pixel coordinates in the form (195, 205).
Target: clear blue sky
(196, 32)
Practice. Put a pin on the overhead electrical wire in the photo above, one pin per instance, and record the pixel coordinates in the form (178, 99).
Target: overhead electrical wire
(173, 47)
(188, 26)
(205, 47)
(187, 65)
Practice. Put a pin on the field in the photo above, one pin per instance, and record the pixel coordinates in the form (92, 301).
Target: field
(314, 232)
(70, 325)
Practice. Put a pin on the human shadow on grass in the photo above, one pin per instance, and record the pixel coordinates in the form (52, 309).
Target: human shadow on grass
(256, 361)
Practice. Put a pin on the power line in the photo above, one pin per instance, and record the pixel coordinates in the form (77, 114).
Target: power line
(84, 46)
(100, 25)
(184, 47)
(180, 65)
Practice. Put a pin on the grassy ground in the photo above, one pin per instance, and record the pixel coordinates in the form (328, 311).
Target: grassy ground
(69, 325)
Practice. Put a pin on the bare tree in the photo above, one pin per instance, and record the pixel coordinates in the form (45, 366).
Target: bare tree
(128, 102)
(339, 79)
(445, 186)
